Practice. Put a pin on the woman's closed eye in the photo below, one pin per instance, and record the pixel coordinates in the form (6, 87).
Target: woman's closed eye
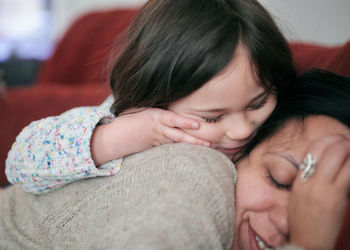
(212, 119)
(276, 183)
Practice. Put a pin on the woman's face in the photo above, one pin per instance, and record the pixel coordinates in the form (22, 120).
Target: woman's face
(265, 179)
(229, 107)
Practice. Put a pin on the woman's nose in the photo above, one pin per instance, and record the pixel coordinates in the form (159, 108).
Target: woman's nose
(279, 216)
(239, 129)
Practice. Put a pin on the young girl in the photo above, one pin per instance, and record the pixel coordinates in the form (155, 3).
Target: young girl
(204, 72)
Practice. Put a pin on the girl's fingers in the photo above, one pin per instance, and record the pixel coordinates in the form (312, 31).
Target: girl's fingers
(164, 117)
(178, 135)
(132, 111)
(173, 120)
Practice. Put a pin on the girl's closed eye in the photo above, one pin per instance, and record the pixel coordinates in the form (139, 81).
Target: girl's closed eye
(259, 105)
(212, 119)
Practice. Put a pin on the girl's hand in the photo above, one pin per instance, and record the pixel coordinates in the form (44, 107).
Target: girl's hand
(159, 126)
(317, 206)
(139, 129)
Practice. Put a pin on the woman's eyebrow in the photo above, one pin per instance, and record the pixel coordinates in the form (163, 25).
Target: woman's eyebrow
(287, 157)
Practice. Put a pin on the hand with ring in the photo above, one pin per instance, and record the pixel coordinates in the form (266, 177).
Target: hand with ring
(308, 167)
(320, 195)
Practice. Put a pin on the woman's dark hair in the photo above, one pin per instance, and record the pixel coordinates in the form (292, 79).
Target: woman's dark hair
(174, 47)
(316, 92)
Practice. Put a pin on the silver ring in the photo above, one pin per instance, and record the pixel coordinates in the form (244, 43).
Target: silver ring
(308, 167)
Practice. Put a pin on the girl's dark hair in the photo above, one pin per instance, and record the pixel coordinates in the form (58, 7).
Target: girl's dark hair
(174, 47)
(316, 92)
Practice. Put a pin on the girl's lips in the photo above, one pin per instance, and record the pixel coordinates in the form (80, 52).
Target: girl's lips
(229, 150)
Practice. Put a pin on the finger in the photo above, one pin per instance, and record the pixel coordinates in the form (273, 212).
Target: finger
(132, 111)
(343, 179)
(318, 146)
(178, 135)
(317, 150)
(171, 119)
(333, 160)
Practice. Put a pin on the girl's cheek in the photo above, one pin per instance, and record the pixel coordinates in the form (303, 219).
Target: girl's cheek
(260, 116)
(206, 132)
(268, 107)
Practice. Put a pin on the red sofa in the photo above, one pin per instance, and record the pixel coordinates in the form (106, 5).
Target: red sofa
(75, 76)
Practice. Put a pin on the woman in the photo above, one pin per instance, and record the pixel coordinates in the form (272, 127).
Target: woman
(277, 200)
(182, 196)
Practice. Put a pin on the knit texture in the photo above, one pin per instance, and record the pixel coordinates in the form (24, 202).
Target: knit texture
(174, 196)
(55, 151)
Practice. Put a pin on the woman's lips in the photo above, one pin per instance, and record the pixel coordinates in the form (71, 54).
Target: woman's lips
(253, 245)
(255, 242)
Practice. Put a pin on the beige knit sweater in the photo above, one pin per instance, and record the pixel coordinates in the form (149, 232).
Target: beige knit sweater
(170, 197)
(174, 196)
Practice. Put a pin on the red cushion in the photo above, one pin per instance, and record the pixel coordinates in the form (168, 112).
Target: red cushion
(81, 56)
(336, 59)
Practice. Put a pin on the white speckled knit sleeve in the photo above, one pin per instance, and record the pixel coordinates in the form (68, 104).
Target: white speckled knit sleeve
(55, 151)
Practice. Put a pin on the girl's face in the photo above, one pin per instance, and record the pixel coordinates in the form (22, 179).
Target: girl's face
(229, 107)
(265, 179)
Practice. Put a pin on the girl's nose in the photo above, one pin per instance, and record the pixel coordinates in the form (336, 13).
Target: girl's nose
(239, 129)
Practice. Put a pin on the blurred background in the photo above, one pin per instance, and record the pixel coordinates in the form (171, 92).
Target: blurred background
(30, 29)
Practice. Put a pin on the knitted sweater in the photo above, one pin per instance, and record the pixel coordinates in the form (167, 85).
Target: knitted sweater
(169, 197)
(55, 151)
(175, 196)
